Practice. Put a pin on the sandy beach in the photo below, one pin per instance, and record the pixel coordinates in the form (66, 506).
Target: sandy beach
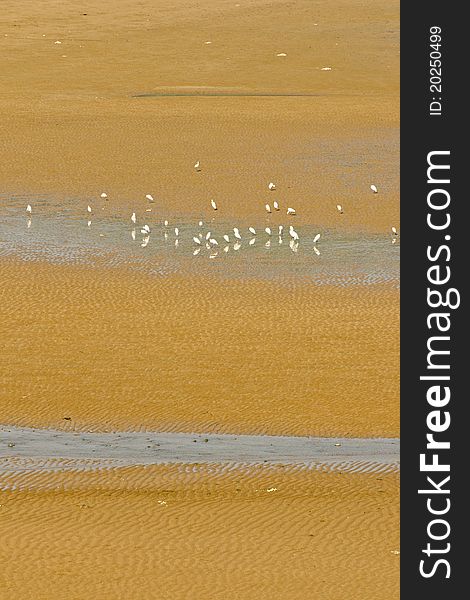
(113, 344)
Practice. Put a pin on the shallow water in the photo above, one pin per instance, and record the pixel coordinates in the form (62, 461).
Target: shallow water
(138, 447)
(61, 231)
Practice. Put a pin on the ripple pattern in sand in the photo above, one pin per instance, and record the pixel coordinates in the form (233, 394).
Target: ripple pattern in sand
(197, 531)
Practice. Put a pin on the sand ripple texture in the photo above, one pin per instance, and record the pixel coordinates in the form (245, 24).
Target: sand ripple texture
(201, 531)
(89, 348)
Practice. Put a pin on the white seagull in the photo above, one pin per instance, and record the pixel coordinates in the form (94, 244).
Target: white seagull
(276, 205)
(268, 230)
(149, 197)
(208, 235)
(213, 242)
(29, 209)
(394, 231)
(316, 238)
(104, 195)
(133, 217)
(145, 229)
(236, 233)
(197, 166)
(268, 208)
(291, 211)
(213, 204)
(165, 223)
(252, 230)
(226, 238)
(374, 188)
(271, 186)
(339, 208)
(88, 208)
(197, 241)
(281, 229)
(177, 231)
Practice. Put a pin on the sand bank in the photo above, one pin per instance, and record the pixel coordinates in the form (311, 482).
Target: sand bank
(173, 353)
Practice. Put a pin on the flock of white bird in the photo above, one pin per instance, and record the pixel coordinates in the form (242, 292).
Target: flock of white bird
(205, 238)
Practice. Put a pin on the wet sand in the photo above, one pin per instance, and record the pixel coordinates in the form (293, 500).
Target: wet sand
(126, 103)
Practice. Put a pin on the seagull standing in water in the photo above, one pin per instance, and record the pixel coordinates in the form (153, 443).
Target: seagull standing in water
(133, 218)
(294, 235)
(236, 233)
(29, 210)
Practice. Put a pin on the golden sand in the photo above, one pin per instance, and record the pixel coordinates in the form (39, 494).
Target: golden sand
(201, 532)
(175, 353)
